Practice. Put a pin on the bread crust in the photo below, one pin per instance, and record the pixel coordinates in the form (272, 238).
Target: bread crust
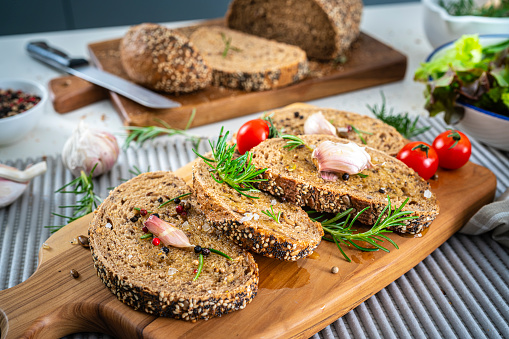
(325, 29)
(304, 186)
(379, 135)
(163, 59)
(252, 63)
(273, 242)
(139, 276)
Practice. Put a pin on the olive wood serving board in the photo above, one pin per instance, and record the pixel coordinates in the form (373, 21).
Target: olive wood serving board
(295, 299)
(368, 63)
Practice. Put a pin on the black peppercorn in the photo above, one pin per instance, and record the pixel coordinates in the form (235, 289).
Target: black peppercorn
(296, 114)
(382, 190)
(345, 176)
(176, 200)
(197, 249)
(205, 251)
(160, 200)
(134, 219)
(165, 249)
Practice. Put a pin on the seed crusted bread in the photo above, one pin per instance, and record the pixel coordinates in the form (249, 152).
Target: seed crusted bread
(249, 63)
(163, 59)
(159, 280)
(380, 136)
(292, 175)
(241, 219)
(325, 29)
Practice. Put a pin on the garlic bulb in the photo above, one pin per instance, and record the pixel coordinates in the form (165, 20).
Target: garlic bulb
(317, 124)
(340, 158)
(88, 147)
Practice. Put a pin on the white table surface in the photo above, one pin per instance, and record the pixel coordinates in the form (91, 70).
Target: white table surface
(399, 26)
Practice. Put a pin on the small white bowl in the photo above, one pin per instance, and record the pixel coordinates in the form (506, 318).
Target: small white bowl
(14, 128)
(440, 27)
(488, 127)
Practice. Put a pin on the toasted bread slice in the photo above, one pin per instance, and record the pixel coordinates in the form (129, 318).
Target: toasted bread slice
(158, 280)
(379, 135)
(241, 219)
(292, 175)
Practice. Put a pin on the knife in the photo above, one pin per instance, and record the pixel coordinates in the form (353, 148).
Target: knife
(81, 68)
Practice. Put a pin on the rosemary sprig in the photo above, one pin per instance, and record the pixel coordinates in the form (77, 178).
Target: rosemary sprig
(228, 45)
(220, 253)
(142, 134)
(82, 185)
(292, 142)
(340, 228)
(173, 199)
(273, 132)
(271, 214)
(401, 122)
(238, 173)
(200, 267)
(360, 133)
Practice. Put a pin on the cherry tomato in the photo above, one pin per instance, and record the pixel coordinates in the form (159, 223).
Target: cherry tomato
(251, 134)
(453, 149)
(421, 157)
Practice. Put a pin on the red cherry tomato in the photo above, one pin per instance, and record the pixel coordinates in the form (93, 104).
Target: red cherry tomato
(251, 134)
(453, 149)
(421, 157)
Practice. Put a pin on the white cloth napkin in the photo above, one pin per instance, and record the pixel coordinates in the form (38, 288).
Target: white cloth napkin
(492, 217)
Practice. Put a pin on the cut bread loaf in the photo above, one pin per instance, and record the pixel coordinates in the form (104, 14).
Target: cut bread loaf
(241, 219)
(157, 279)
(292, 174)
(324, 29)
(163, 59)
(380, 135)
(246, 62)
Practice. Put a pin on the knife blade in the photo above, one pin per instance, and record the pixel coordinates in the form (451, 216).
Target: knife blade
(81, 68)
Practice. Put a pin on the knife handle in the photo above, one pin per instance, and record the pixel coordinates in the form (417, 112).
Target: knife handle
(50, 55)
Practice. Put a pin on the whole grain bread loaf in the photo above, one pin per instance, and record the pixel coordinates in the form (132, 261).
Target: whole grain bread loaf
(292, 175)
(243, 61)
(379, 135)
(292, 237)
(324, 29)
(157, 279)
(163, 59)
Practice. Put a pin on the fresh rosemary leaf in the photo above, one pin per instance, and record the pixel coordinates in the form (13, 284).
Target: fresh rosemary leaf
(237, 172)
(401, 121)
(339, 228)
(360, 133)
(142, 134)
(271, 214)
(82, 186)
(200, 267)
(228, 45)
(292, 142)
(173, 199)
(220, 253)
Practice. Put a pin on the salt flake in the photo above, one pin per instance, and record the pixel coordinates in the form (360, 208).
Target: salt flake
(427, 194)
(108, 225)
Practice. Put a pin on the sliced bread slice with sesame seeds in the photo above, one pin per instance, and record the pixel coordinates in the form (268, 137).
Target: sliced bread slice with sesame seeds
(160, 280)
(371, 132)
(292, 175)
(290, 235)
(163, 59)
(246, 62)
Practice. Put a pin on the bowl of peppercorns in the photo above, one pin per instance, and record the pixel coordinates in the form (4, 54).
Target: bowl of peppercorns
(21, 105)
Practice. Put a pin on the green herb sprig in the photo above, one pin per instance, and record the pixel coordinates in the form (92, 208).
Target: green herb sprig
(400, 121)
(84, 186)
(340, 231)
(141, 134)
(237, 172)
(271, 214)
(360, 133)
(292, 142)
(228, 45)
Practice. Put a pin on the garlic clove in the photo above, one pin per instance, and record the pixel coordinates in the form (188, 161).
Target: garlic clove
(341, 158)
(87, 148)
(317, 124)
(17, 175)
(10, 191)
(169, 235)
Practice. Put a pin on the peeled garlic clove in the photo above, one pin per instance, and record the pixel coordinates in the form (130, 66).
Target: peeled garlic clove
(169, 235)
(317, 124)
(88, 147)
(10, 191)
(341, 158)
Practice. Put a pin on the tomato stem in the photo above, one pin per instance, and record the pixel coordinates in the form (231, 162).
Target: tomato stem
(423, 148)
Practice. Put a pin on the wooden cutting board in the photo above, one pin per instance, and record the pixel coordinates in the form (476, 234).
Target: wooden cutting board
(368, 63)
(295, 299)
